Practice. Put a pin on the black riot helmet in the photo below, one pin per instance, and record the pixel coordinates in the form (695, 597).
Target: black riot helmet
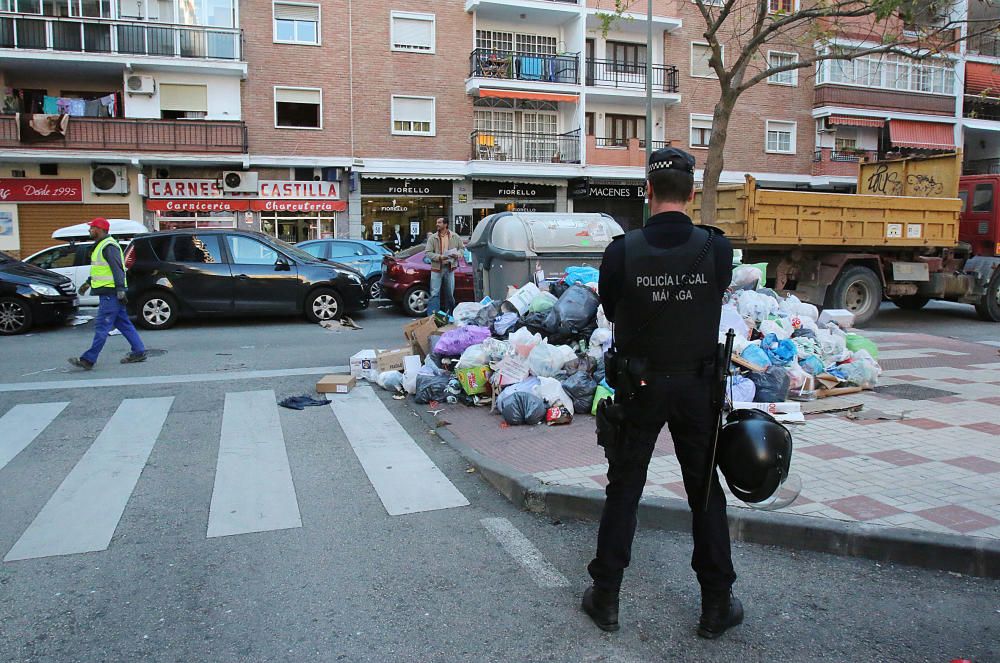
(754, 454)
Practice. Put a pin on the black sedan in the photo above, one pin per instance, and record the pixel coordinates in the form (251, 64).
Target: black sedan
(215, 272)
(31, 296)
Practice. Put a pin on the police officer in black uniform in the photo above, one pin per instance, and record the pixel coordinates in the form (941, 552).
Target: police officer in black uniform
(662, 287)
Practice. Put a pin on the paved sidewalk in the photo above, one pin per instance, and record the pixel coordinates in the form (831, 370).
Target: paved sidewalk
(935, 470)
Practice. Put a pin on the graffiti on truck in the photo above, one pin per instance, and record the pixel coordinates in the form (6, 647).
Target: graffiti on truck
(924, 185)
(885, 182)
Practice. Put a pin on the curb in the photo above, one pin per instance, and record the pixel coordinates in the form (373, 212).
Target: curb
(930, 550)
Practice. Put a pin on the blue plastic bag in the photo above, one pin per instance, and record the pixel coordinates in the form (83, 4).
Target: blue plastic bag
(781, 353)
(582, 275)
(812, 365)
(756, 356)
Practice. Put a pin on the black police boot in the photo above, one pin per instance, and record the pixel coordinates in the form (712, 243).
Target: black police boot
(601, 605)
(720, 611)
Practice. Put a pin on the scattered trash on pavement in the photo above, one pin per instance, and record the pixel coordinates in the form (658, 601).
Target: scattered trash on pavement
(302, 402)
(79, 320)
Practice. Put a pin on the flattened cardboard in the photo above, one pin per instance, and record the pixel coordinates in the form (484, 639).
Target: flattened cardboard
(391, 360)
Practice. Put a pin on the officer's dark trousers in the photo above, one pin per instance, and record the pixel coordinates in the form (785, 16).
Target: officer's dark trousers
(683, 403)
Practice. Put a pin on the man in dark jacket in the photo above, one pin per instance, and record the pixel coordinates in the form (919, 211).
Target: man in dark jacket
(108, 282)
(662, 286)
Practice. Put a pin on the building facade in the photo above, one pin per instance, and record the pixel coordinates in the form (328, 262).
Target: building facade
(337, 118)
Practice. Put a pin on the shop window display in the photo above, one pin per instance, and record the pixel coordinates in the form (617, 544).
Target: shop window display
(402, 222)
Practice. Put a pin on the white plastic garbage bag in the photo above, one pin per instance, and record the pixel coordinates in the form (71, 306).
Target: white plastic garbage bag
(776, 327)
(755, 305)
(746, 276)
(545, 360)
(466, 312)
(391, 381)
(731, 319)
(474, 355)
(521, 298)
(523, 341)
(553, 394)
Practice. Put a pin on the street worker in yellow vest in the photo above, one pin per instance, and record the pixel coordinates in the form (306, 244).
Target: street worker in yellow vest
(107, 281)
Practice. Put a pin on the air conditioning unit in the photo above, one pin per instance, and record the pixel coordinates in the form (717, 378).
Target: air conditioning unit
(135, 84)
(239, 181)
(108, 179)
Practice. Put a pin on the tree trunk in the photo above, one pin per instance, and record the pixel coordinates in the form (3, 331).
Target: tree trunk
(716, 161)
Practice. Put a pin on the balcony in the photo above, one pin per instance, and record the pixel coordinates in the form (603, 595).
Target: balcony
(985, 44)
(537, 12)
(137, 135)
(522, 70)
(981, 167)
(33, 32)
(839, 163)
(630, 152)
(525, 147)
(978, 107)
(623, 75)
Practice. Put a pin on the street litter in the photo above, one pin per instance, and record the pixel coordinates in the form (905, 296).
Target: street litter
(79, 320)
(302, 402)
(114, 332)
(338, 325)
(537, 356)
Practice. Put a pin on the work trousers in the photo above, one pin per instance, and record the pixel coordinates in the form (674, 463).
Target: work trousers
(442, 292)
(111, 314)
(682, 402)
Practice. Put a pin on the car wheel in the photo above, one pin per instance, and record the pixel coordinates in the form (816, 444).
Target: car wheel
(988, 307)
(324, 304)
(375, 288)
(415, 301)
(157, 310)
(15, 316)
(859, 290)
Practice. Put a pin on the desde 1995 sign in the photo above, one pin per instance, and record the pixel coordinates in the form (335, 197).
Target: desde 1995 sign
(34, 190)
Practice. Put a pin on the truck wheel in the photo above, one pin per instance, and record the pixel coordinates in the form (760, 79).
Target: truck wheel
(910, 302)
(988, 307)
(859, 290)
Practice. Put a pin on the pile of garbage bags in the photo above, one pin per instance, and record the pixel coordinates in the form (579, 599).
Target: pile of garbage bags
(538, 356)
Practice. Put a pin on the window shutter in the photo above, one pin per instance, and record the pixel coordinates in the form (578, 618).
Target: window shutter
(413, 33)
(183, 97)
(413, 110)
(285, 95)
(296, 12)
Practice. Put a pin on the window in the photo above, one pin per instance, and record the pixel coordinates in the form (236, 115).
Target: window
(589, 119)
(201, 249)
(626, 57)
(413, 116)
(62, 256)
(499, 40)
(780, 137)
(790, 77)
(982, 198)
(964, 195)
(298, 108)
(318, 250)
(890, 72)
(845, 144)
(494, 40)
(619, 128)
(543, 144)
(412, 32)
(183, 101)
(701, 130)
(781, 6)
(700, 55)
(296, 23)
(248, 251)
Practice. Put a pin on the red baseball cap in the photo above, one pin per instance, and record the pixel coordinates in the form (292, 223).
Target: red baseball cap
(100, 223)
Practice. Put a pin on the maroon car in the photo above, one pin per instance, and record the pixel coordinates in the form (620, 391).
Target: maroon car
(406, 280)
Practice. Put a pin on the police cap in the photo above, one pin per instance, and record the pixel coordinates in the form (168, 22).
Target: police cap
(670, 157)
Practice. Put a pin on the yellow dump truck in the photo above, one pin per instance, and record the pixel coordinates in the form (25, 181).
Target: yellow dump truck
(897, 239)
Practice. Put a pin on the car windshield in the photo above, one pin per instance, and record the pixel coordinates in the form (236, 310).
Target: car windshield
(383, 250)
(294, 251)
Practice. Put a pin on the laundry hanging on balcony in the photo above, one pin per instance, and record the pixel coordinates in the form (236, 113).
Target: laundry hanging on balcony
(40, 128)
(72, 106)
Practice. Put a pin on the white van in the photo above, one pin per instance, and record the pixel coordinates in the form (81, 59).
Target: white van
(73, 259)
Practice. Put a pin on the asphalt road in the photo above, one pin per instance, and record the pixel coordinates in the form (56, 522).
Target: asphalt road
(356, 584)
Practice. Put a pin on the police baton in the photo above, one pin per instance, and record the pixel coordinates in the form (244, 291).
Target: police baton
(719, 402)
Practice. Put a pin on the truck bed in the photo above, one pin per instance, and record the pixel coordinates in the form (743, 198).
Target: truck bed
(767, 218)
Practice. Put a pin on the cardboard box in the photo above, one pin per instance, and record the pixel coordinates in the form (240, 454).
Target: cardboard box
(418, 334)
(364, 366)
(391, 360)
(842, 317)
(335, 384)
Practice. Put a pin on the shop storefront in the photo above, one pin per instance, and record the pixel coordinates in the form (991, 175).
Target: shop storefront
(288, 210)
(622, 200)
(489, 197)
(401, 212)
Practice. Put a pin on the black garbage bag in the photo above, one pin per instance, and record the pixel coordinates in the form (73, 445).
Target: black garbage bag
(802, 332)
(772, 385)
(487, 314)
(576, 310)
(432, 387)
(540, 322)
(523, 408)
(558, 288)
(580, 387)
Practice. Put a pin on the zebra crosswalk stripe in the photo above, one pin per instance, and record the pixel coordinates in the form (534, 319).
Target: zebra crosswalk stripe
(84, 512)
(406, 480)
(253, 489)
(22, 424)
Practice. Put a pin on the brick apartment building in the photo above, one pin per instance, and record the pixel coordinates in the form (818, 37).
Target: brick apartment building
(306, 118)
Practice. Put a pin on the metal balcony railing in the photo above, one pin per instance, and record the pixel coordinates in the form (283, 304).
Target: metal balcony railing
(981, 167)
(523, 66)
(981, 107)
(985, 44)
(600, 141)
(611, 73)
(531, 147)
(98, 35)
(843, 156)
(142, 135)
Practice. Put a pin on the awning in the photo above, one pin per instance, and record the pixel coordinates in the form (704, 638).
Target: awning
(922, 135)
(409, 176)
(533, 96)
(982, 78)
(852, 121)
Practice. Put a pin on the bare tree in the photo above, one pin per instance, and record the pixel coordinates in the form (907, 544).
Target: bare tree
(817, 30)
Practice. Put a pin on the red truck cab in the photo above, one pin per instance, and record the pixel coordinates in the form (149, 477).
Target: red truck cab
(978, 225)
